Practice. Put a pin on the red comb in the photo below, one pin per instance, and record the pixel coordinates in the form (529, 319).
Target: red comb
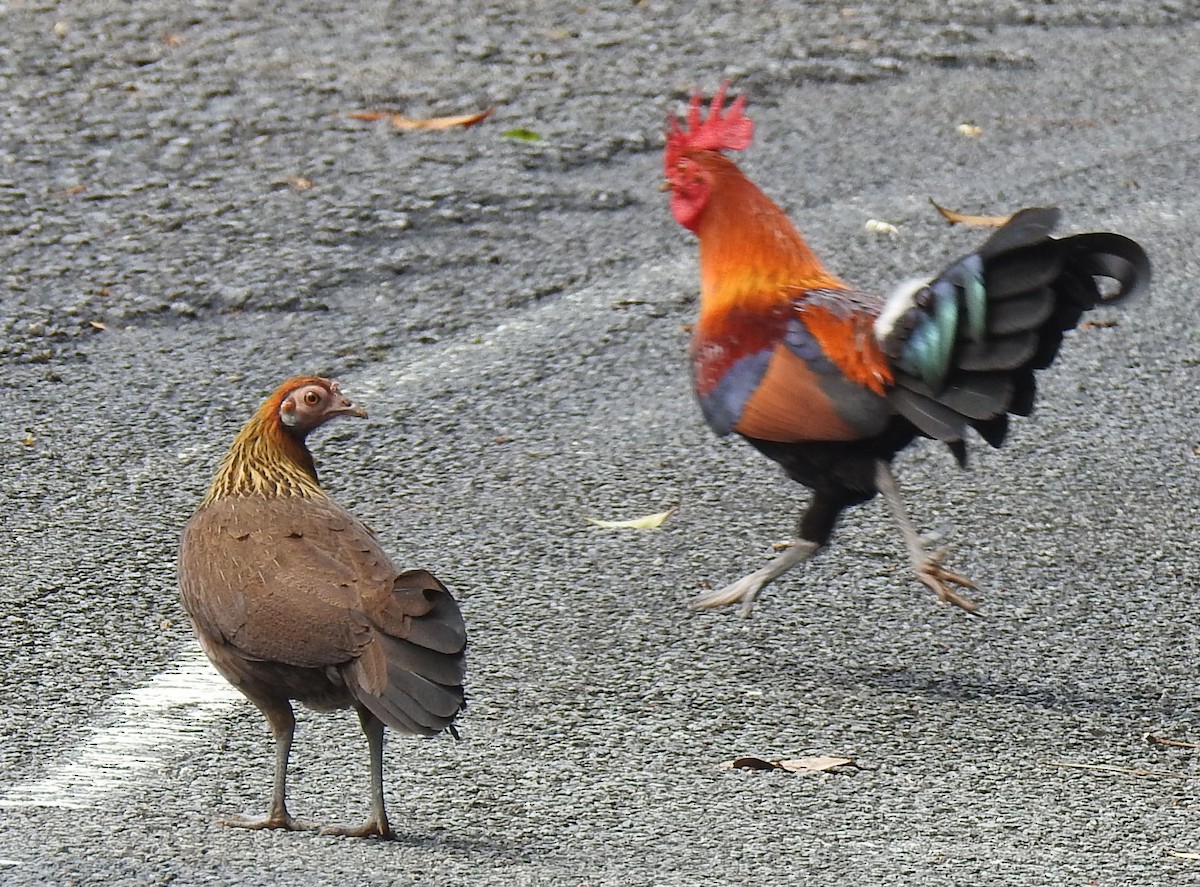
(729, 132)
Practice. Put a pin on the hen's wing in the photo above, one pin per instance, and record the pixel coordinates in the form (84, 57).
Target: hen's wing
(284, 579)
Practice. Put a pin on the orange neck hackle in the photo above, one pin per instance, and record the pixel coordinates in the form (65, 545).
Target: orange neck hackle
(751, 255)
(267, 457)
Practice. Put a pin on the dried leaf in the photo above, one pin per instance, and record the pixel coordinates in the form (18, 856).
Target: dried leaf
(98, 325)
(522, 135)
(957, 218)
(1183, 854)
(173, 39)
(1097, 324)
(369, 116)
(750, 763)
(970, 130)
(300, 183)
(1125, 771)
(649, 522)
(875, 226)
(1173, 743)
(400, 121)
(818, 764)
(29, 439)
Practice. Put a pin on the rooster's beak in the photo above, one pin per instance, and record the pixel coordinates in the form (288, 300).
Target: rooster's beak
(666, 186)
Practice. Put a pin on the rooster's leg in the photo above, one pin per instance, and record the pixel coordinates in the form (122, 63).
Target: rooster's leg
(926, 565)
(283, 726)
(746, 589)
(377, 823)
(813, 530)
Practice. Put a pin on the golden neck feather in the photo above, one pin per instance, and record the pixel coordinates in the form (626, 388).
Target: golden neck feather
(265, 460)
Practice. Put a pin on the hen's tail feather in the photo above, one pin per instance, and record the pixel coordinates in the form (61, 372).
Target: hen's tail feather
(425, 667)
(964, 348)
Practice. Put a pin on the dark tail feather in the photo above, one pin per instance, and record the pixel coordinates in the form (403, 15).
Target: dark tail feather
(421, 638)
(965, 346)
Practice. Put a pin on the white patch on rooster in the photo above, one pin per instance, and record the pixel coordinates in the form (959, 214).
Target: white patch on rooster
(898, 301)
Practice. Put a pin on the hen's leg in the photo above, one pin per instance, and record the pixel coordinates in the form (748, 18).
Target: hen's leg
(813, 531)
(283, 726)
(377, 823)
(926, 565)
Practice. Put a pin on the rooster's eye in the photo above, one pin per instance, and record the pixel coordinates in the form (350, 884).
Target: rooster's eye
(312, 398)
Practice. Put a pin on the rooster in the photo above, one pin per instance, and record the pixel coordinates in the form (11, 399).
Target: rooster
(831, 382)
(293, 598)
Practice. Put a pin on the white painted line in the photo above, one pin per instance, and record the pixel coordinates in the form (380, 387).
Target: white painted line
(145, 725)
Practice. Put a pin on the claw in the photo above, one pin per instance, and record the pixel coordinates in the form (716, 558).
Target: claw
(935, 577)
(926, 565)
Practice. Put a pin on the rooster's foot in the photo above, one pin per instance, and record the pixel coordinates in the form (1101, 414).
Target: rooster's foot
(938, 580)
(746, 590)
(743, 592)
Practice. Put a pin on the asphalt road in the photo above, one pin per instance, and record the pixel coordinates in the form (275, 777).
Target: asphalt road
(513, 314)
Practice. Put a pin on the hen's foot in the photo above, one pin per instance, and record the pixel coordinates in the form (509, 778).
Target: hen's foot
(372, 828)
(271, 820)
(743, 592)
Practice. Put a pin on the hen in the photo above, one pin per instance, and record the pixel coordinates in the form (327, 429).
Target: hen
(293, 598)
(831, 382)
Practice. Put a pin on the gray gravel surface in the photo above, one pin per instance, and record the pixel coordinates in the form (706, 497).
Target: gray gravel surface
(513, 314)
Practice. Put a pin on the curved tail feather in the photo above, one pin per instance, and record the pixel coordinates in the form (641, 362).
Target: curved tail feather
(964, 347)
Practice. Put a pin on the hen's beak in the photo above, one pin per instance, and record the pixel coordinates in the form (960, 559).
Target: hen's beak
(346, 407)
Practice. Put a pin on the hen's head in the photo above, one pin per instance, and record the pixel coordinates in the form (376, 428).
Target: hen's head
(691, 148)
(303, 403)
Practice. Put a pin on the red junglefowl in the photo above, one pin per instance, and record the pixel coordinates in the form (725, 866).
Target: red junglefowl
(292, 598)
(831, 382)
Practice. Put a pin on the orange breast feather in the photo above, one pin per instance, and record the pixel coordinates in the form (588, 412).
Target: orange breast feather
(789, 405)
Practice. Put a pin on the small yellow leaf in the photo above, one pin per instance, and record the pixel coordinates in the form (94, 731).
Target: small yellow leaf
(97, 325)
(400, 121)
(970, 130)
(957, 218)
(649, 522)
(1180, 854)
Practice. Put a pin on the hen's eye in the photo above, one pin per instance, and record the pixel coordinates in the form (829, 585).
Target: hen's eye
(312, 398)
